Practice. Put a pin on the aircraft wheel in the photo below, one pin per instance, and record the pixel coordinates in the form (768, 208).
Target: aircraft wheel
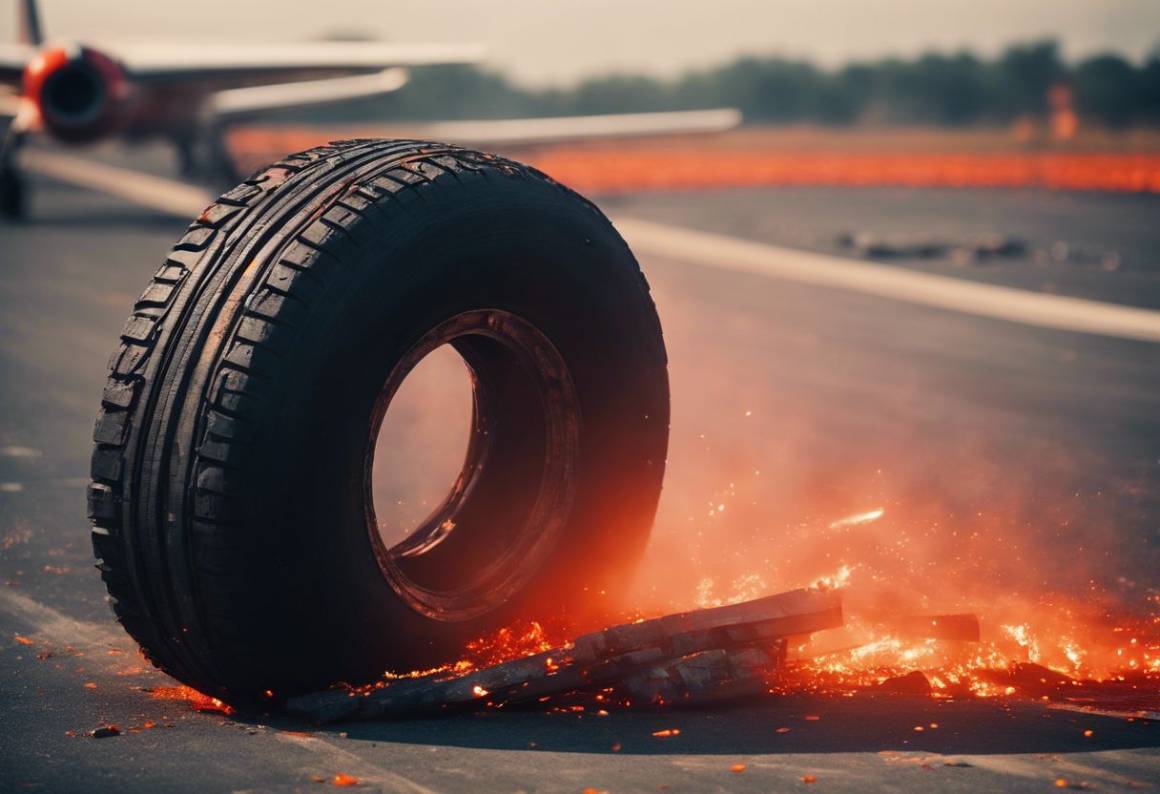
(230, 501)
(13, 195)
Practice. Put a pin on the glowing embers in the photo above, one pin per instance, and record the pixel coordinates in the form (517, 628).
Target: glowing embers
(687, 658)
(196, 700)
(795, 642)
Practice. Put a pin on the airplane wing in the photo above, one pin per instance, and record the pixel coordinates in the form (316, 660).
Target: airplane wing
(13, 57)
(254, 145)
(533, 131)
(239, 104)
(226, 66)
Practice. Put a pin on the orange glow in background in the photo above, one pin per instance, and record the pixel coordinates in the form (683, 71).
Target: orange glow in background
(1023, 158)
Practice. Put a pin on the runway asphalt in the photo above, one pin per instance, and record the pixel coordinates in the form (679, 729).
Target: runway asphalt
(841, 401)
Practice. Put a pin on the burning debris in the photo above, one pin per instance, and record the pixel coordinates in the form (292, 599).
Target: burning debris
(765, 646)
(693, 658)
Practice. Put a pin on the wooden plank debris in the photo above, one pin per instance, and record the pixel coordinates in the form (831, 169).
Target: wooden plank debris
(692, 657)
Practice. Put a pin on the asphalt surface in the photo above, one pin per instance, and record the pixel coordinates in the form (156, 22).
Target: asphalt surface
(809, 403)
(1088, 245)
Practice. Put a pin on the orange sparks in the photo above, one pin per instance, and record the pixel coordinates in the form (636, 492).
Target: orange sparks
(737, 769)
(344, 781)
(837, 580)
(196, 700)
(512, 642)
(859, 518)
(809, 779)
(667, 732)
(22, 639)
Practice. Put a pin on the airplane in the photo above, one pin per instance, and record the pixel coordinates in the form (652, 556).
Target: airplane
(189, 95)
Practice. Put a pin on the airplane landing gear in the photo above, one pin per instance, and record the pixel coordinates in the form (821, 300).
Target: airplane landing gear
(13, 194)
(13, 186)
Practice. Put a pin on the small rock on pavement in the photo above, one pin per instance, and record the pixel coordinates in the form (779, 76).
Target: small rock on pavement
(105, 731)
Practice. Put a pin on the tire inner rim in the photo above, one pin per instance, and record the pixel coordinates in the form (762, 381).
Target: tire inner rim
(512, 498)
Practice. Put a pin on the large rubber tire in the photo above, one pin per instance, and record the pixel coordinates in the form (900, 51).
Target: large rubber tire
(230, 506)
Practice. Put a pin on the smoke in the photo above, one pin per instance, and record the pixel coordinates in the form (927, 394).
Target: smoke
(921, 476)
(898, 469)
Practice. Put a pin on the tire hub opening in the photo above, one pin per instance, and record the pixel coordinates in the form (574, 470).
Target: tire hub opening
(491, 533)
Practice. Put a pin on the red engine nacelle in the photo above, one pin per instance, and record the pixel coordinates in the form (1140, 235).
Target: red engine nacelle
(82, 94)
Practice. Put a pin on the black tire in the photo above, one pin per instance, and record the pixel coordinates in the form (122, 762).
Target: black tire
(229, 503)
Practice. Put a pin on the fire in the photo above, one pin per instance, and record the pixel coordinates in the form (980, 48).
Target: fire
(197, 701)
(834, 581)
(1038, 654)
(1022, 636)
(511, 642)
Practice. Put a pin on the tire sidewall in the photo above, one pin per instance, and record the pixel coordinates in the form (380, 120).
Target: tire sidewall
(518, 245)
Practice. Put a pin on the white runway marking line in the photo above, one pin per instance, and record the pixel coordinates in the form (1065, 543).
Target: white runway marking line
(59, 629)
(895, 283)
(712, 250)
(353, 764)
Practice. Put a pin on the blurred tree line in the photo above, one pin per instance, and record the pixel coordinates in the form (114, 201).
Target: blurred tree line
(956, 89)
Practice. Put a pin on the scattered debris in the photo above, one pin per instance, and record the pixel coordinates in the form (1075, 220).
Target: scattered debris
(979, 250)
(920, 246)
(697, 657)
(105, 731)
(913, 683)
(1030, 679)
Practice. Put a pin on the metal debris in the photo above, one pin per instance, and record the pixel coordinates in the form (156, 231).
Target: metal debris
(922, 246)
(913, 683)
(696, 657)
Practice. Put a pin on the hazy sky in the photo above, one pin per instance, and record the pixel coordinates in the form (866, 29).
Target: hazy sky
(555, 41)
